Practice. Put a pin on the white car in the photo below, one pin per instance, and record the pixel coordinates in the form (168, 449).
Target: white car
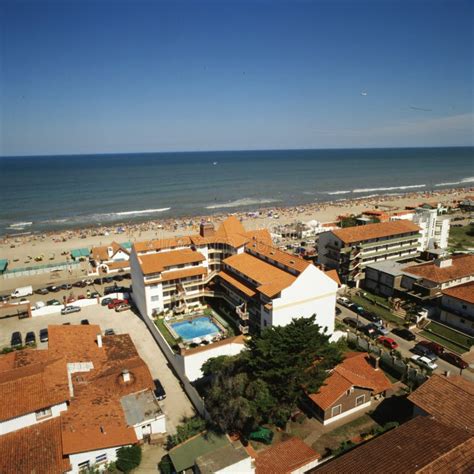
(423, 362)
(70, 309)
(344, 301)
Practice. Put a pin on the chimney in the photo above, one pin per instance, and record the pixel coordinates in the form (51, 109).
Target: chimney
(444, 263)
(126, 375)
(374, 361)
(99, 340)
(206, 229)
(110, 251)
(447, 373)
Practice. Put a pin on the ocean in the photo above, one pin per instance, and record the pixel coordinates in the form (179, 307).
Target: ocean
(45, 193)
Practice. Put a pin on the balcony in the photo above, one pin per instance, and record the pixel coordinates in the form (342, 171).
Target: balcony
(242, 312)
(243, 329)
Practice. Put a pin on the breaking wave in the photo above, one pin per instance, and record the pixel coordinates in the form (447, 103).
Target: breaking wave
(369, 190)
(455, 183)
(241, 203)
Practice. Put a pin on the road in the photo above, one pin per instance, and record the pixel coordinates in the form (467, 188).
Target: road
(405, 346)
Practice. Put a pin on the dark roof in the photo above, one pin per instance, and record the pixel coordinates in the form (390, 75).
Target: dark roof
(448, 399)
(414, 447)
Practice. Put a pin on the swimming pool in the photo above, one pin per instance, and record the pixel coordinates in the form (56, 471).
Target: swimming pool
(198, 327)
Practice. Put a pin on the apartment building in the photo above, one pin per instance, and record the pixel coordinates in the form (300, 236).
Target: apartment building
(70, 407)
(351, 249)
(457, 307)
(260, 284)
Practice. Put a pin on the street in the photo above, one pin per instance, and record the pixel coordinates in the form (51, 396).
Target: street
(405, 346)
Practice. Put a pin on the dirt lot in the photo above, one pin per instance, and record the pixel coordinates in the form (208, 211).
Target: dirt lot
(175, 406)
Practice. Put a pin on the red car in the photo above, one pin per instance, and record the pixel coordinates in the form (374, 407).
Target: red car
(454, 359)
(434, 347)
(115, 302)
(387, 342)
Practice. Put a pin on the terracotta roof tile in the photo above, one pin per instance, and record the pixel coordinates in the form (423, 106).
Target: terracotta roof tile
(34, 450)
(458, 460)
(375, 231)
(158, 262)
(178, 274)
(447, 399)
(122, 264)
(462, 292)
(462, 266)
(407, 449)
(285, 457)
(354, 371)
(269, 279)
(241, 286)
(334, 276)
(161, 244)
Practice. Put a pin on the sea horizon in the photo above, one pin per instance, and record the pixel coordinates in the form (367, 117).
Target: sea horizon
(45, 193)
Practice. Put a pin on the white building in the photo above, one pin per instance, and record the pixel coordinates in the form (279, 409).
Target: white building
(111, 258)
(457, 307)
(50, 406)
(260, 284)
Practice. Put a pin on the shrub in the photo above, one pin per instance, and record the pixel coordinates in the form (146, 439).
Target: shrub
(189, 428)
(129, 458)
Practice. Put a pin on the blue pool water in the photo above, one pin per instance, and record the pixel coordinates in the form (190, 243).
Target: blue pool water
(199, 327)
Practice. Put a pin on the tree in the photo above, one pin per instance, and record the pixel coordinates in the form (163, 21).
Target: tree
(129, 458)
(266, 381)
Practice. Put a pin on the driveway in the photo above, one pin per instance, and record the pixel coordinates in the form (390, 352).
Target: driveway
(175, 406)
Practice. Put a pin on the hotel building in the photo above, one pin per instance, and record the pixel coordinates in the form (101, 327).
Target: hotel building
(259, 284)
(351, 249)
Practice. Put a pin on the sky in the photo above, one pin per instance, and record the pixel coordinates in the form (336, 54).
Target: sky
(143, 76)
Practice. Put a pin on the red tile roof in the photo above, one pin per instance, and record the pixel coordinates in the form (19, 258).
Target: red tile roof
(158, 262)
(375, 231)
(33, 387)
(461, 267)
(412, 448)
(449, 400)
(462, 292)
(334, 276)
(34, 450)
(102, 252)
(285, 457)
(354, 371)
(240, 285)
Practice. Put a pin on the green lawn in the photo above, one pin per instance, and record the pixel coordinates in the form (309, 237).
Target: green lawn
(378, 310)
(160, 324)
(459, 238)
(448, 337)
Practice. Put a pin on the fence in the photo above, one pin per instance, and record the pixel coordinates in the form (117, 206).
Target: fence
(395, 366)
(39, 269)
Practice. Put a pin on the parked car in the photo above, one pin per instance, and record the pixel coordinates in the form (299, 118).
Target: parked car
(98, 281)
(438, 349)
(371, 330)
(108, 279)
(118, 277)
(388, 342)
(122, 307)
(66, 286)
(43, 335)
(106, 301)
(42, 291)
(424, 352)
(356, 308)
(159, 391)
(115, 302)
(95, 294)
(372, 318)
(85, 322)
(109, 332)
(344, 301)
(338, 311)
(423, 362)
(30, 338)
(53, 303)
(454, 359)
(89, 282)
(70, 309)
(108, 290)
(80, 284)
(53, 289)
(404, 334)
(4, 298)
(16, 339)
(352, 322)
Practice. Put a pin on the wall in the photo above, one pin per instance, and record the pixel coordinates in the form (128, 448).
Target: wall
(245, 466)
(138, 285)
(192, 363)
(313, 292)
(157, 426)
(29, 419)
(76, 459)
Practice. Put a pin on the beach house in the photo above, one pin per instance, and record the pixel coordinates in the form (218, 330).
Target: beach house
(259, 284)
(50, 418)
(113, 258)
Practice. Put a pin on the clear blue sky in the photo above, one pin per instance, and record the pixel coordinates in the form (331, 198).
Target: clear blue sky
(109, 76)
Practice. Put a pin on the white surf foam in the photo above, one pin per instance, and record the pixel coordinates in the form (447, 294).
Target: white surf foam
(241, 202)
(335, 193)
(143, 211)
(455, 183)
(19, 225)
(369, 190)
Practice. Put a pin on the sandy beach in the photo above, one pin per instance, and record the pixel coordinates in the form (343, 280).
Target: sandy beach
(54, 247)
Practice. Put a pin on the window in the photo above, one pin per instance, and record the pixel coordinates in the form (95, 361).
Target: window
(84, 466)
(40, 414)
(336, 410)
(155, 298)
(101, 458)
(360, 400)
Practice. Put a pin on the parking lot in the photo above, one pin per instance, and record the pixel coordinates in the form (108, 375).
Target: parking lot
(175, 406)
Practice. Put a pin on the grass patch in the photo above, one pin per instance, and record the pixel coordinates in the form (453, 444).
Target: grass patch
(454, 336)
(440, 340)
(459, 238)
(160, 324)
(377, 310)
